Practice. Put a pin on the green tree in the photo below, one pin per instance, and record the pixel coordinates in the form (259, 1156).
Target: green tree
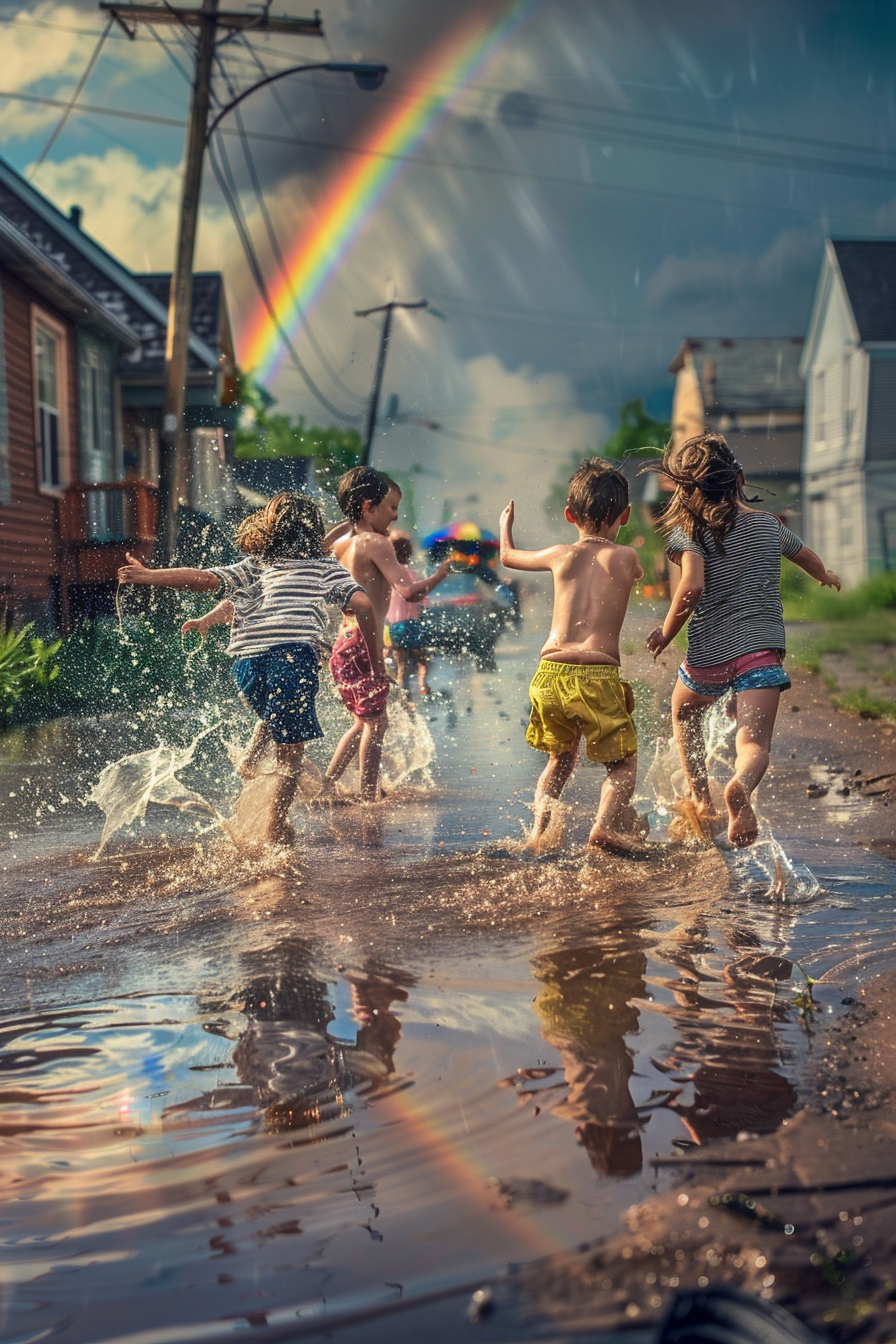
(262, 434)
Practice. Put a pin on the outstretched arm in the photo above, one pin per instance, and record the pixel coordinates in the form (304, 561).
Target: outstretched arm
(511, 558)
(814, 567)
(191, 580)
(382, 552)
(687, 595)
(222, 614)
(361, 607)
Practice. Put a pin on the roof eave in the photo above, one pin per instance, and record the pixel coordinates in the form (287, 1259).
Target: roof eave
(98, 257)
(37, 270)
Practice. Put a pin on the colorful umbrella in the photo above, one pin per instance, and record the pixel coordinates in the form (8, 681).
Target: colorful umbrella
(467, 536)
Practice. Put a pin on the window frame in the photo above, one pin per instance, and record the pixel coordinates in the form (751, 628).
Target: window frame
(41, 318)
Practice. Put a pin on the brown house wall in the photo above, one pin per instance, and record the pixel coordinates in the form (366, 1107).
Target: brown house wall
(29, 537)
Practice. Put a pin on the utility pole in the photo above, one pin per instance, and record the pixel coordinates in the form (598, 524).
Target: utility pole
(373, 409)
(175, 466)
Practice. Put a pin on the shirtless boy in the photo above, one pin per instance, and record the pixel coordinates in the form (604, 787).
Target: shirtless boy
(577, 692)
(370, 501)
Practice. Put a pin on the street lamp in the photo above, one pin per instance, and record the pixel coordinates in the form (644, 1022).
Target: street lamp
(368, 76)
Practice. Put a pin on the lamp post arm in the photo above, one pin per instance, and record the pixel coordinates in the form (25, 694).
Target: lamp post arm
(359, 69)
(281, 74)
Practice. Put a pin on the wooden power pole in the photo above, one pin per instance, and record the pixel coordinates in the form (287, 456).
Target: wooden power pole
(175, 472)
(373, 408)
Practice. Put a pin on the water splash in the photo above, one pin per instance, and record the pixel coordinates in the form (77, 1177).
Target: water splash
(765, 868)
(408, 748)
(126, 787)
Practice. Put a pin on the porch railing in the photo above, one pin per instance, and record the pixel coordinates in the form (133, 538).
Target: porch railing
(109, 513)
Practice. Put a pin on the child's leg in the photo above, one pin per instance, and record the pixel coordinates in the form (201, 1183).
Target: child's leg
(370, 755)
(422, 672)
(258, 744)
(553, 780)
(756, 713)
(346, 750)
(616, 794)
(688, 712)
(400, 658)
(289, 768)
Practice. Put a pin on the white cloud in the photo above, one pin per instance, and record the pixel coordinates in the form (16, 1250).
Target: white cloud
(516, 430)
(132, 209)
(46, 48)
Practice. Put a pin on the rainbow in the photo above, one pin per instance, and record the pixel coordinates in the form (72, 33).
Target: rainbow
(354, 192)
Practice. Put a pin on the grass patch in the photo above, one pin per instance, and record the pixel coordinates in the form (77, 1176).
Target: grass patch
(858, 701)
(805, 600)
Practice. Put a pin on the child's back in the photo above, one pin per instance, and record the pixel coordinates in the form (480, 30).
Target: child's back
(593, 579)
(576, 692)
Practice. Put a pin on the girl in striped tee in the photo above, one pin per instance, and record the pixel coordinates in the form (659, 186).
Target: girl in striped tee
(730, 592)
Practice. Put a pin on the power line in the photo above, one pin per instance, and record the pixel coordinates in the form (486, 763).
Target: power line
(231, 197)
(455, 164)
(278, 254)
(75, 96)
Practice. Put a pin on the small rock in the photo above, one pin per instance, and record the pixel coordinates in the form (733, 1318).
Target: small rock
(794, 709)
(816, 790)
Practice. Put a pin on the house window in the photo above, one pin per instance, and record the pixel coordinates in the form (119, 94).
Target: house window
(97, 447)
(49, 379)
(850, 390)
(818, 412)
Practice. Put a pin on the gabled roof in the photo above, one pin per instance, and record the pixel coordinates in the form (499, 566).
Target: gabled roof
(745, 373)
(56, 242)
(868, 270)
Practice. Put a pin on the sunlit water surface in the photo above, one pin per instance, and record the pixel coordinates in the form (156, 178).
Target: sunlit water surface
(237, 1091)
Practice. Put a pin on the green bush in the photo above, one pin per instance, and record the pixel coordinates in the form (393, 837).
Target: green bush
(25, 663)
(143, 671)
(805, 600)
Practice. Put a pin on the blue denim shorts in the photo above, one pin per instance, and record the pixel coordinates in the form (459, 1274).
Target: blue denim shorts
(760, 678)
(280, 685)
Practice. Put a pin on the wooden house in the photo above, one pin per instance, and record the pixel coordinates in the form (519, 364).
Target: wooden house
(81, 377)
(748, 388)
(849, 446)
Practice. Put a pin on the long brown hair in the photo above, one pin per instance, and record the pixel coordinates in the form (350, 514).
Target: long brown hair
(289, 527)
(708, 490)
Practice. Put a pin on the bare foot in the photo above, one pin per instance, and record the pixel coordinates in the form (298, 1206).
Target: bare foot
(614, 842)
(743, 827)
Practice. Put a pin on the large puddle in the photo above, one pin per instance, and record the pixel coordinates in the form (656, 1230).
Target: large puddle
(241, 1094)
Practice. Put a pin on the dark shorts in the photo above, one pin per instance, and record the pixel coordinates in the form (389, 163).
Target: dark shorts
(280, 685)
(407, 635)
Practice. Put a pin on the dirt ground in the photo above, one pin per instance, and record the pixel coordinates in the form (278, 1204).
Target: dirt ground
(806, 1215)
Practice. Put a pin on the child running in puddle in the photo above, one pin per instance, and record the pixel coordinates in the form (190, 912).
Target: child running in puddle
(274, 600)
(729, 595)
(370, 501)
(577, 692)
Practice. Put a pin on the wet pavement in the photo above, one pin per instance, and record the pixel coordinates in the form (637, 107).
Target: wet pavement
(315, 1089)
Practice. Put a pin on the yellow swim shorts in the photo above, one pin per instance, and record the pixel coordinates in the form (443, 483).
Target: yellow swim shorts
(573, 700)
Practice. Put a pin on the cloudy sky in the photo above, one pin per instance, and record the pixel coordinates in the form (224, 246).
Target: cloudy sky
(619, 176)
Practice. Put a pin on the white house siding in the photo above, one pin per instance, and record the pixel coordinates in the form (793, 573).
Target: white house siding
(836, 394)
(880, 462)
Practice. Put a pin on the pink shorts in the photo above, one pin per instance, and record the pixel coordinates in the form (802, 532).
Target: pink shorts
(763, 670)
(364, 694)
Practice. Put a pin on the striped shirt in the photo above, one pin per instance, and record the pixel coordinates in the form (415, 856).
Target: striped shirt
(739, 610)
(282, 602)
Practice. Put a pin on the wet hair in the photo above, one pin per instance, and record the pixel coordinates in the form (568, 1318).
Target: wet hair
(598, 492)
(404, 551)
(362, 484)
(289, 527)
(708, 482)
